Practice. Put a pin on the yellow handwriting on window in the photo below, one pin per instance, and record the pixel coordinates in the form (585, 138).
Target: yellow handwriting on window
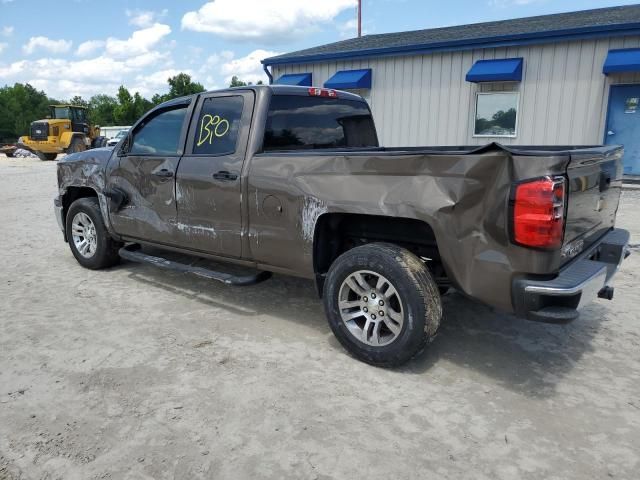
(210, 127)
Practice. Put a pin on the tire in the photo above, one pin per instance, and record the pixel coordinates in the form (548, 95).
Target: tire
(9, 154)
(76, 145)
(410, 293)
(47, 156)
(104, 253)
(98, 142)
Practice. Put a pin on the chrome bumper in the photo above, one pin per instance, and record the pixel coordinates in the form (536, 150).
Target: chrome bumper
(577, 284)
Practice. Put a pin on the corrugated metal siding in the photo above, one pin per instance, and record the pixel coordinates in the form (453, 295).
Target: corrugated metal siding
(425, 100)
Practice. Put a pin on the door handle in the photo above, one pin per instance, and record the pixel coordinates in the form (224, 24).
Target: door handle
(164, 173)
(225, 176)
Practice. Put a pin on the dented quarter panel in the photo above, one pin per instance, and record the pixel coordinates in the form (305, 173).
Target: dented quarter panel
(463, 197)
(86, 169)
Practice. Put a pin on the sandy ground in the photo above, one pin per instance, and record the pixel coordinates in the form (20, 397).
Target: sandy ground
(137, 373)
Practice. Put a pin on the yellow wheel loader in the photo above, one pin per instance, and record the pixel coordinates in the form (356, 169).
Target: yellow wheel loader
(67, 129)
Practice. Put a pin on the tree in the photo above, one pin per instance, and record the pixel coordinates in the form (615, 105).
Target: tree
(140, 106)
(102, 109)
(182, 85)
(79, 101)
(20, 105)
(124, 113)
(236, 82)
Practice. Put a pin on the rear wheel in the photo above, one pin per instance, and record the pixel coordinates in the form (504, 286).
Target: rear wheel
(382, 303)
(77, 145)
(89, 240)
(47, 156)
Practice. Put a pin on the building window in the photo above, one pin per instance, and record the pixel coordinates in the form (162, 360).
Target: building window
(496, 114)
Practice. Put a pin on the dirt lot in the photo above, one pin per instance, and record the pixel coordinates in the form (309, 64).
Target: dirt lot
(136, 373)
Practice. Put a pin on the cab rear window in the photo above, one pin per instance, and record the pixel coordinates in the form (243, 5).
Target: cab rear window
(296, 122)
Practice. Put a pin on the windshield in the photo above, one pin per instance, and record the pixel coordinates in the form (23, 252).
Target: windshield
(121, 134)
(60, 112)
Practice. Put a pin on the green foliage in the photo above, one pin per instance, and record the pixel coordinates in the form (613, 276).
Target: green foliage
(22, 104)
(19, 106)
(182, 85)
(179, 86)
(236, 82)
(79, 101)
(102, 109)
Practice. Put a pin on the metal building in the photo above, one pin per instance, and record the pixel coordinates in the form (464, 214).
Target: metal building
(563, 79)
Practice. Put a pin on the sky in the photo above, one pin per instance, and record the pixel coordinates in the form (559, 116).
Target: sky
(87, 47)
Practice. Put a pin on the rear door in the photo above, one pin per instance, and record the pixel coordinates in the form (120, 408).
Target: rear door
(623, 124)
(208, 181)
(146, 175)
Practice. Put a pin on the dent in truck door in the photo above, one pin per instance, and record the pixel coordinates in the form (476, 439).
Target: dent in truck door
(208, 181)
(145, 172)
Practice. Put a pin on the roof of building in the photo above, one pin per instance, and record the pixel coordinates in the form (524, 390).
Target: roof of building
(624, 20)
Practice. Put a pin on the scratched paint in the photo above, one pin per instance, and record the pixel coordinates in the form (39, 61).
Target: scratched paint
(312, 208)
(196, 229)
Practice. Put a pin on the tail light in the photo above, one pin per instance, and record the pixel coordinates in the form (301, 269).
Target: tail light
(538, 212)
(322, 92)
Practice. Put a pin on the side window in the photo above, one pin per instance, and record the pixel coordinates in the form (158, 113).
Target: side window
(218, 126)
(159, 135)
(297, 122)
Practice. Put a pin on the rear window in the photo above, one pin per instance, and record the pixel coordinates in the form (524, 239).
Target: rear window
(296, 122)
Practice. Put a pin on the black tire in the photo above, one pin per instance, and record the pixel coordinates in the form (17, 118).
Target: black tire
(98, 142)
(76, 145)
(9, 154)
(415, 288)
(106, 253)
(47, 156)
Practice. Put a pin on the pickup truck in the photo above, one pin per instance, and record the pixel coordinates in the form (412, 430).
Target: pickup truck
(292, 180)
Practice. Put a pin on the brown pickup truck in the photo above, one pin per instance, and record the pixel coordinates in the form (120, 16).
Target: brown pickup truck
(292, 180)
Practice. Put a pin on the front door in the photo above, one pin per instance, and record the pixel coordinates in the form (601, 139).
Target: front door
(208, 181)
(145, 174)
(623, 124)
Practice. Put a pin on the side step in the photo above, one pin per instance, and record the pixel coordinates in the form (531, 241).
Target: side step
(132, 253)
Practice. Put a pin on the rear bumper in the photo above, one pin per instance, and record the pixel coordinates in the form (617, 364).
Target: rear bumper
(582, 280)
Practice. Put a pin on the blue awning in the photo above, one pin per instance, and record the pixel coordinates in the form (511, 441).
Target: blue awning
(347, 79)
(505, 70)
(625, 60)
(302, 79)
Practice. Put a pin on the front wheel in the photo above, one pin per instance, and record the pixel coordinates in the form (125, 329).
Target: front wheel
(77, 145)
(382, 303)
(88, 238)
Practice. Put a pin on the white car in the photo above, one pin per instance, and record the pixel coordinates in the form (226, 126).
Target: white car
(112, 142)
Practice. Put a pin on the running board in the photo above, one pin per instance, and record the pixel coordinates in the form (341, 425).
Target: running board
(133, 254)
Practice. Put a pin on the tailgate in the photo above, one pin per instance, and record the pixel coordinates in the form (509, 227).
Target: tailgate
(595, 182)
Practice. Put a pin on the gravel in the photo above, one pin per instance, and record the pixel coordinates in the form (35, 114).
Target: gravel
(140, 373)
